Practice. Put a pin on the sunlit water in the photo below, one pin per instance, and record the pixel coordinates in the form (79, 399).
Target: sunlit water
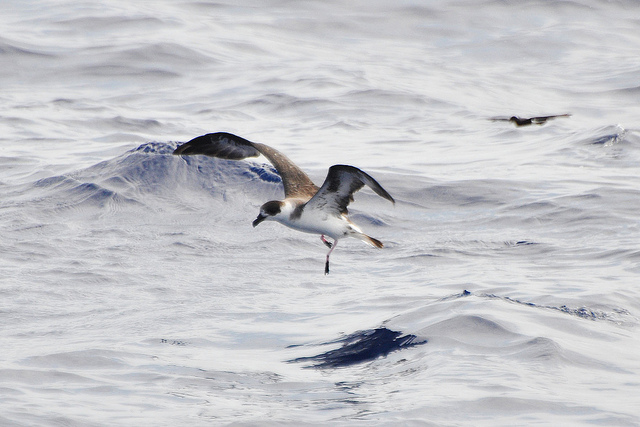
(134, 290)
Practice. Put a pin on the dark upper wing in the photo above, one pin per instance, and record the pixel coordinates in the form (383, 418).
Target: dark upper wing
(337, 191)
(221, 144)
(228, 146)
(542, 119)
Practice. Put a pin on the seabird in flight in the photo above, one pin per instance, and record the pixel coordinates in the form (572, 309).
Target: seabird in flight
(305, 207)
(518, 121)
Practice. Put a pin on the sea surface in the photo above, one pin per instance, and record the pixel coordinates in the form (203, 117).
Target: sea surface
(135, 292)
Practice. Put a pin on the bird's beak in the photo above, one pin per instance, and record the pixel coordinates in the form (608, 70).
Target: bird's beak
(259, 219)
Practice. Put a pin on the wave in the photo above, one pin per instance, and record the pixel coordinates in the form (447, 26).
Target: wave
(438, 324)
(151, 176)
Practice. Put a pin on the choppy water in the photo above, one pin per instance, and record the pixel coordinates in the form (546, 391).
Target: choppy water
(134, 290)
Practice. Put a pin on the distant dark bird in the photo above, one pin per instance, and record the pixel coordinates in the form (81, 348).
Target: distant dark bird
(305, 207)
(528, 121)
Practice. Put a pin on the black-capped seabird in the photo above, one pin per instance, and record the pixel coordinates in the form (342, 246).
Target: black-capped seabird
(305, 207)
(518, 121)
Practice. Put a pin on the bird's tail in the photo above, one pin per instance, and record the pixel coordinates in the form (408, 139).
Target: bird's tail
(369, 240)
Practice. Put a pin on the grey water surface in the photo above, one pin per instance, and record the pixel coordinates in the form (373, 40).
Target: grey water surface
(134, 291)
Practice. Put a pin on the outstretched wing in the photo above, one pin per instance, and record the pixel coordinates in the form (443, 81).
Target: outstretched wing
(542, 119)
(228, 146)
(221, 144)
(337, 191)
(500, 119)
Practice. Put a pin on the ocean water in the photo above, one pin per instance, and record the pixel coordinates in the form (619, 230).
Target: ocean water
(134, 291)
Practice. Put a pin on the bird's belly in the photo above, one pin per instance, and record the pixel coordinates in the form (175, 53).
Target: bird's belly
(333, 227)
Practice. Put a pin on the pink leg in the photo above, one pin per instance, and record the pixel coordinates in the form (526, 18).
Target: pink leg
(325, 241)
(326, 265)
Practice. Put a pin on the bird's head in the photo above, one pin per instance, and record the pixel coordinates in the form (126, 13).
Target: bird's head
(268, 211)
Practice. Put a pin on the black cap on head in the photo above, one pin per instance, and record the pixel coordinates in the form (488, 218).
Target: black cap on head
(271, 208)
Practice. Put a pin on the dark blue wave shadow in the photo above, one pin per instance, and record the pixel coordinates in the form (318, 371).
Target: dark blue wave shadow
(154, 147)
(266, 173)
(359, 347)
(582, 312)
